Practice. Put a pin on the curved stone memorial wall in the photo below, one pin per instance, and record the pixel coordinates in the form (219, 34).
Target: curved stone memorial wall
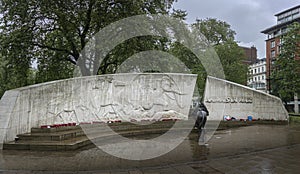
(115, 97)
(225, 98)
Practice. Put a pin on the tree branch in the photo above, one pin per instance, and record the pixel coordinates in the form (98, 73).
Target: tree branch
(58, 49)
(87, 24)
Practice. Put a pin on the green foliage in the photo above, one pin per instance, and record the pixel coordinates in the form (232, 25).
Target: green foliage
(215, 31)
(117, 57)
(191, 62)
(232, 56)
(53, 67)
(286, 70)
(15, 60)
(53, 33)
(179, 14)
(221, 36)
(3, 65)
(66, 26)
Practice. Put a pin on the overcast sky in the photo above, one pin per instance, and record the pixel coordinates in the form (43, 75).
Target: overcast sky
(246, 17)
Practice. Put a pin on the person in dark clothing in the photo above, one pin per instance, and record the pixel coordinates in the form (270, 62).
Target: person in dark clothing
(202, 113)
(201, 116)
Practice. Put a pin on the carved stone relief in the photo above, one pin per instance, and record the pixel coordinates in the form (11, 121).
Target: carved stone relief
(141, 97)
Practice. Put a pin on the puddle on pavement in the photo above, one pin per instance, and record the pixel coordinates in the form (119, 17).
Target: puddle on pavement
(223, 143)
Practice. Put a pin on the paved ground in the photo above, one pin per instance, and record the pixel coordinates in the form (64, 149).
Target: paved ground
(254, 149)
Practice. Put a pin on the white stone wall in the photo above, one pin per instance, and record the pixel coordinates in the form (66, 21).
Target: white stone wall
(125, 97)
(227, 98)
(128, 97)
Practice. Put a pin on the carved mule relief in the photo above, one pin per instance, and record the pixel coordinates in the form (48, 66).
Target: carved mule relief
(145, 97)
(61, 106)
(172, 91)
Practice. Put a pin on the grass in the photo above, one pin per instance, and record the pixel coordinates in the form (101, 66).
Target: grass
(294, 118)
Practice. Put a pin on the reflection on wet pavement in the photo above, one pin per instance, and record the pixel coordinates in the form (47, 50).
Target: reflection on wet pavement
(253, 147)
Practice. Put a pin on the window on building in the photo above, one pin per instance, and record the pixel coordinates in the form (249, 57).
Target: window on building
(279, 49)
(262, 77)
(262, 69)
(281, 40)
(258, 78)
(270, 36)
(296, 15)
(254, 71)
(273, 54)
(258, 70)
(255, 79)
(284, 30)
(272, 62)
(273, 44)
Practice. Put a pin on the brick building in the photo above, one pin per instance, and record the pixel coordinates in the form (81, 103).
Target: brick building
(251, 54)
(274, 33)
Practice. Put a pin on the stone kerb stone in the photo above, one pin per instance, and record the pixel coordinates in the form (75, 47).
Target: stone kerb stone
(241, 101)
(124, 97)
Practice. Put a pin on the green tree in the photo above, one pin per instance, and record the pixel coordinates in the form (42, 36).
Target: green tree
(135, 46)
(232, 57)
(215, 31)
(3, 65)
(191, 62)
(64, 27)
(286, 72)
(221, 36)
(15, 58)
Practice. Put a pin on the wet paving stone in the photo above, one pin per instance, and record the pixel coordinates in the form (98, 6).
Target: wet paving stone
(251, 149)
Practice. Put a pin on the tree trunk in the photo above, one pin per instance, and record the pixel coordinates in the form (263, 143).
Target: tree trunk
(296, 103)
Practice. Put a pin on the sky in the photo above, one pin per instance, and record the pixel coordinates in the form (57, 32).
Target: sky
(246, 17)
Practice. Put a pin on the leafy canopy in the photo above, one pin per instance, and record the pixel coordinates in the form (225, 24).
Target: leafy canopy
(221, 36)
(285, 77)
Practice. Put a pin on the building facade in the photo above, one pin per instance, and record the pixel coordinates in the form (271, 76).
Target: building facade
(257, 75)
(274, 33)
(251, 54)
